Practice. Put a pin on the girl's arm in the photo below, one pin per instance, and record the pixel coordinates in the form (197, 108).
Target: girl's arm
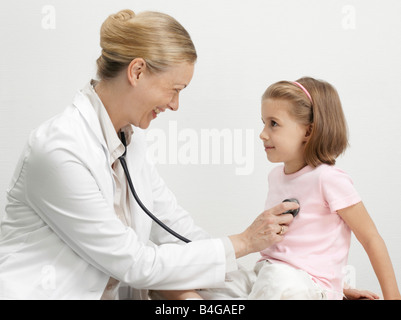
(361, 224)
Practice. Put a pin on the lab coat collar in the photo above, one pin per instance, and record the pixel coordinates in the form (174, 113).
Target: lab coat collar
(85, 101)
(84, 106)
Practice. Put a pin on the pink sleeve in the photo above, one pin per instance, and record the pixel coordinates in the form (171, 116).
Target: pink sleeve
(338, 189)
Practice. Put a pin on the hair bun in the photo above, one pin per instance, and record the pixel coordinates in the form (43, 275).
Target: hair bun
(124, 15)
(157, 38)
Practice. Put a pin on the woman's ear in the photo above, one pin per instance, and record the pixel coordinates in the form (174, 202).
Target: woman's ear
(135, 71)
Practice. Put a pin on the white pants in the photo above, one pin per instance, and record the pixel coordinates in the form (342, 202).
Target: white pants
(267, 281)
(282, 282)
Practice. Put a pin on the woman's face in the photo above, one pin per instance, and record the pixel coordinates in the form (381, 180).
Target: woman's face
(283, 137)
(156, 92)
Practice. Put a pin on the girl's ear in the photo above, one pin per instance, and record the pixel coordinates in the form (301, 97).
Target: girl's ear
(309, 131)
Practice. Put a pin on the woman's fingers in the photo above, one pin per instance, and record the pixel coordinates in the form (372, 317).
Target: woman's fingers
(275, 216)
(267, 229)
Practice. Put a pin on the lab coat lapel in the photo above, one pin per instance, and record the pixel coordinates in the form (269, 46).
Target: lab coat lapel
(82, 103)
(139, 171)
(102, 173)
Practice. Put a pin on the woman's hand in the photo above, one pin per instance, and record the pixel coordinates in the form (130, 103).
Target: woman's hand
(267, 229)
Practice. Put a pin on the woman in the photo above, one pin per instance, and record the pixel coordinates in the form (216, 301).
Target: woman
(72, 229)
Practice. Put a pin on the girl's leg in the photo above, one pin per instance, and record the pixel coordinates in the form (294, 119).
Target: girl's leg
(281, 282)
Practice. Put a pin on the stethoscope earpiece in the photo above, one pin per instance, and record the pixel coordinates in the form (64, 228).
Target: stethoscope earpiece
(295, 211)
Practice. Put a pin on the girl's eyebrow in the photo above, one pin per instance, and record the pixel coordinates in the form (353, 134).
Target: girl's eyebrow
(270, 118)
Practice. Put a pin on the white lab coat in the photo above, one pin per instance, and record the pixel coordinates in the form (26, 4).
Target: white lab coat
(60, 237)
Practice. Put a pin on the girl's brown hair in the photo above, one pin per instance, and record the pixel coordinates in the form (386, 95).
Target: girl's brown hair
(153, 36)
(329, 134)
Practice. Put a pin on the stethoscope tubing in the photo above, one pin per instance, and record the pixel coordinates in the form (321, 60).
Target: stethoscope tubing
(151, 215)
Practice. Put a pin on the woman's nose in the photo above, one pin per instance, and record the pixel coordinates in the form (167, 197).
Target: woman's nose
(174, 103)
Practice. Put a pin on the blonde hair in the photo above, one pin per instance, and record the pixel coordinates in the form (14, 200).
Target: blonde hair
(329, 135)
(155, 37)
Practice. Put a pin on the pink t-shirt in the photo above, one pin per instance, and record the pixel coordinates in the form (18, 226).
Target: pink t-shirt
(317, 240)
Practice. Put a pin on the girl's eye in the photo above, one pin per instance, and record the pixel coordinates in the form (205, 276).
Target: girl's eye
(273, 123)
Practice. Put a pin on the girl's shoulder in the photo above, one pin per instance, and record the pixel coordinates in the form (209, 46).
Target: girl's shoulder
(337, 188)
(330, 172)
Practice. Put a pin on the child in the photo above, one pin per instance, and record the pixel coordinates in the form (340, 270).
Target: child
(305, 128)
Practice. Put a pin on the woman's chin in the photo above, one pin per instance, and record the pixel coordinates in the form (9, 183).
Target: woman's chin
(144, 124)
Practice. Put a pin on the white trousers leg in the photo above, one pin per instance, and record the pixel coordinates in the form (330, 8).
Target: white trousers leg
(238, 285)
(282, 282)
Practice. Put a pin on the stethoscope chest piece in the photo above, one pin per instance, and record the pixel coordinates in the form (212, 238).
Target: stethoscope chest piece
(295, 211)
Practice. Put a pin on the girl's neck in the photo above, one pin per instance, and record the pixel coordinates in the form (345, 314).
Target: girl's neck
(292, 167)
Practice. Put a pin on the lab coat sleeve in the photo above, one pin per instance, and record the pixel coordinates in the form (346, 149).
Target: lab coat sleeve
(65, 194)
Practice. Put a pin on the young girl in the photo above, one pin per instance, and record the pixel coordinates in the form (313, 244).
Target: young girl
(305, 128)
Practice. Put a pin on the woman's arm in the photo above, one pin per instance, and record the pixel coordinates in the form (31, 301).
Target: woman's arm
(358, 219)
(66, 195)
(262, 233)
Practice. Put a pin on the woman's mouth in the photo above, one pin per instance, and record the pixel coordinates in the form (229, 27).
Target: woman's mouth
(155, 112)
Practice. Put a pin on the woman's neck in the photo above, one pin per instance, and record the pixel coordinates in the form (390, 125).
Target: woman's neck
(112, 93)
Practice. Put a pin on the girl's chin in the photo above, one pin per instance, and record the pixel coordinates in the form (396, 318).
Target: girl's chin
(273, 160)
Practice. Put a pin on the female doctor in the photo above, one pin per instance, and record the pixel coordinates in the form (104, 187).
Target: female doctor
(72, 229)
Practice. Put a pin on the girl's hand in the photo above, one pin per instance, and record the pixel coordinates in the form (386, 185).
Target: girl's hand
(355, 294)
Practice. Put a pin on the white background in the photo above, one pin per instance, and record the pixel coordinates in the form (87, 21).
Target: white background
(48, 51)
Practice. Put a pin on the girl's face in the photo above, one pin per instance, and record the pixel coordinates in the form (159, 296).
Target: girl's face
(283, 137)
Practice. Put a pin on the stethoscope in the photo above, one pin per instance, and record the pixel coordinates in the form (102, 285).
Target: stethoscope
(131, 186)
(151, 215)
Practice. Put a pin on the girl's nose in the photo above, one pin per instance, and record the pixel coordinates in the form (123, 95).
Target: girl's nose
(263, 135)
